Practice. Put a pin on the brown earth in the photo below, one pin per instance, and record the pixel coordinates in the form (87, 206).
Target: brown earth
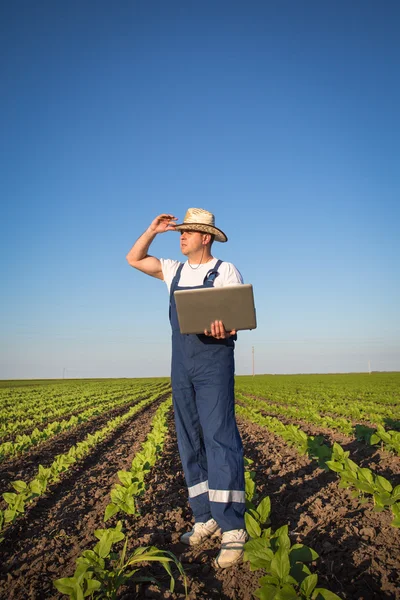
(25, 466)
(359, 550)
(381, 461)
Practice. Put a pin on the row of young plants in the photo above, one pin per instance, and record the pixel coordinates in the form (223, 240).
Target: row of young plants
(102, 571)
(48, 398)
(24, 442)
(332, 409)
(303, 412)
(286, 574)
(335, 395)
(27, 492)
(37, 395)
(23, 422)
(389, 440)
(349, 389)
(363, 481)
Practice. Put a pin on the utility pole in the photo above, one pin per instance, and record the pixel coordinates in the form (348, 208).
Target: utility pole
(369, 367)
(252, 351)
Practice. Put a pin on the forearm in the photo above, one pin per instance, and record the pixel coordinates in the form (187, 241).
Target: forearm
(140, 248)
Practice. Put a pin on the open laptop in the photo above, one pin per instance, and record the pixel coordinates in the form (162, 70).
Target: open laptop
(231, 304)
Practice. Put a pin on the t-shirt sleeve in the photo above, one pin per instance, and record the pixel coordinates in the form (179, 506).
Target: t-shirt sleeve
(230, 275)
(169, 267)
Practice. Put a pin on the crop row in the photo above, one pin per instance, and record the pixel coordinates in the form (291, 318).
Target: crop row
(24, 442)
(378, 388)
(25, 492)
(65, 390)
(20, 423)
(332, 408)
(285, 574)
(44, 398)
(362, 480)
(358, 396)
(100, 572)
(389, 440)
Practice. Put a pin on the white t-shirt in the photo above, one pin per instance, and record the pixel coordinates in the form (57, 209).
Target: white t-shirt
(191, 277)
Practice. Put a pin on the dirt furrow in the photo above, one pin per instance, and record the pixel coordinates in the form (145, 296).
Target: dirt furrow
(379, 460)
(45, 543)
(26, 465)
(359, 550)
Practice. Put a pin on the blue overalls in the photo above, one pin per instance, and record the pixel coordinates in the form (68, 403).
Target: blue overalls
(209, 442)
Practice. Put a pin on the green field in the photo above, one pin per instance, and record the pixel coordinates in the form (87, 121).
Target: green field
(83, 455)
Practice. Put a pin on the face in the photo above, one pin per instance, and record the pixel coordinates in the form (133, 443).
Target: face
(193, 241)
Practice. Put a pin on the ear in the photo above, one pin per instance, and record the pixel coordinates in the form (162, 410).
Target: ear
(206, 238)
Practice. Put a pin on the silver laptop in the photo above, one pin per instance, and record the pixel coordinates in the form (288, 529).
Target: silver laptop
(231, 304)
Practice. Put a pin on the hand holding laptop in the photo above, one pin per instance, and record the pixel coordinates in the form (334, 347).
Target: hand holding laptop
(218, 331)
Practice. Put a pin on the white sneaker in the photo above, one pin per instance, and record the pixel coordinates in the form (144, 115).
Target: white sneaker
(232, 548)
(200, 532)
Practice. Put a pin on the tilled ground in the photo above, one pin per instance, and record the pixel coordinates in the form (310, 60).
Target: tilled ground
(375, 457)
(359, 550)
(25, 466)
(44, 544)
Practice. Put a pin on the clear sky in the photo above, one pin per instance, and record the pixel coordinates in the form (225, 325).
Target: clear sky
(281, 118)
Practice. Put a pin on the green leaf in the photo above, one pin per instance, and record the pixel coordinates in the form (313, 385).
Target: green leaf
(308, 584)
(280, 564)
(283, 540)
(383, 483)
(282, 530)
(125, 478)
(334, 466)
(88, 559)
(252, 527)
(365, 474)
(352, 465)
(323, 594)
(10, 497)
(20, 486)
(70, 587)
(253, 512)
(266, 592)
(36, 487)
(92, 586)
(65, 585)
(258, 552)
(299, 571)
(338, 450)
(264, 509)
(302, 553)
(287, 592)
(111, 510)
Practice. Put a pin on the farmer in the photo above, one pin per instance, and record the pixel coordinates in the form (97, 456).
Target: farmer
(203, 385)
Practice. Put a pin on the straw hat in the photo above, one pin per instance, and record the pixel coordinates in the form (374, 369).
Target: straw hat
(197, 219)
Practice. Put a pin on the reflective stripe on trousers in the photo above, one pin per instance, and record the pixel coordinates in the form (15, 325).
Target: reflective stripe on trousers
(208, 438)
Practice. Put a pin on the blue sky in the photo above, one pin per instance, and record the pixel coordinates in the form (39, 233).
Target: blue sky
(279, 117)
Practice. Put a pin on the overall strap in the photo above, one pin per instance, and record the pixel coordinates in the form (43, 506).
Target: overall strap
(175, 280)
(212, 273)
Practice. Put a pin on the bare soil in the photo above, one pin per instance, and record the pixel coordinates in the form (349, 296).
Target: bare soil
(359, 550)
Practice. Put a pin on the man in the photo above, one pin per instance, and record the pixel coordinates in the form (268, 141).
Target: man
(203, 385)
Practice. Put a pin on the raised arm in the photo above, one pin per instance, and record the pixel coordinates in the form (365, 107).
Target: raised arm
(139, 258)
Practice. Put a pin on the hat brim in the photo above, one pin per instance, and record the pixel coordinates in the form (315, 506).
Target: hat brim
(219, 235)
